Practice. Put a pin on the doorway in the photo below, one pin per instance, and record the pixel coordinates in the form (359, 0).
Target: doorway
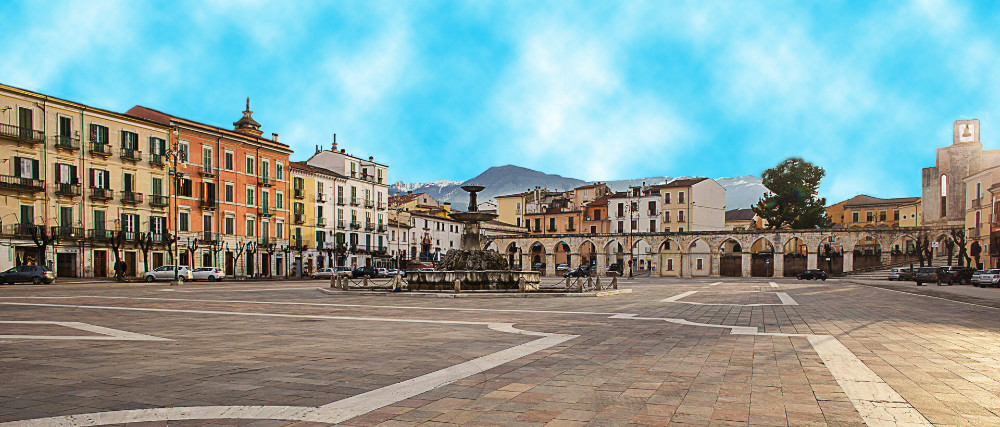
(100, 263)
(130, 263)
(66, 265)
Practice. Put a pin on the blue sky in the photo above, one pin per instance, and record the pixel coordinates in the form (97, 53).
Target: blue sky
(592, 90)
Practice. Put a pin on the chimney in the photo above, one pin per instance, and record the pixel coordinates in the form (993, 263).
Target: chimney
(334, 148)
(371, 158)
(274, 137)
(342, 151)
(318, 149)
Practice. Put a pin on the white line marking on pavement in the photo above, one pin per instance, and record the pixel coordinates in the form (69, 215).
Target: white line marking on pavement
(875, 400)
(105, 334)
(220, 289)
(678, 296)
(714, 284)
(335, 412)
(925, 296)
(773, 285)
(785, 299)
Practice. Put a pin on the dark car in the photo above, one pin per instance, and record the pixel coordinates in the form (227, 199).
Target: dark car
(364, 272)
(538, 266)
(955, 275)
(812, 275)
(925, 275)
(581, 271)
(616, 267)
(905, 274)
(28, 273)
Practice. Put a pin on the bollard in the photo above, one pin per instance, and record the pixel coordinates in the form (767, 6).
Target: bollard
(597, 284)
(364, 282)
(579, 285)
(614, 283)
(458, 286)
(521, 285)
(333, 282)
(590, 282)
(567, 283)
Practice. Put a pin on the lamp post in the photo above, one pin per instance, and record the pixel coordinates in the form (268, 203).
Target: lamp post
(399, 257)
(174, 152)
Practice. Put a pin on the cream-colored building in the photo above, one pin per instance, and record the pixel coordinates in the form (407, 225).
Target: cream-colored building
(910, 214)
(694, 204)
(979, 207)
(80, 174)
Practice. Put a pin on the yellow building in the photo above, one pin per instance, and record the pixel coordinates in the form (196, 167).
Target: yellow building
(868, 211)
(979, 208)
(910, 214)
(78, 175)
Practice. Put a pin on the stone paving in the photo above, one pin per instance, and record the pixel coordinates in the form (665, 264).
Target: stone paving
(683, 352)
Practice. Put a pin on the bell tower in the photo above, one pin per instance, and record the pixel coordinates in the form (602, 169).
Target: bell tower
(246, 124)
(965, 131)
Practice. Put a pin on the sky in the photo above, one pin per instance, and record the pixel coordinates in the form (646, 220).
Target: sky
(595, 90)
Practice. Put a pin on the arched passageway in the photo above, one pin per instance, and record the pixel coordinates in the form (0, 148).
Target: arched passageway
(831, 256)
(795, 257)
(867, 254)
(762, 258)
(700, 259)
(731, 259)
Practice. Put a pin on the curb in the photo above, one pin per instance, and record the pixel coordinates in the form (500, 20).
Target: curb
(474, 294)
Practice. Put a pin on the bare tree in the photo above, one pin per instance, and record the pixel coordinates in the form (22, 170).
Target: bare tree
(976, 250)
(116, 243)
(958, 235)
(216, 247)
(928, 250)
(191, 247)
(949, 245)
(145, 243)
(240, 245)
(251, 250)
(42, 238)
(920, 247)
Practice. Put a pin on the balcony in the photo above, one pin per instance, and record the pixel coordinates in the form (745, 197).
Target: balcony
(369, 227)
(208, 237)
(340, 200)
(158, 201)
(100, 148)
(355, 225)
(131, 154)
(22, 135)
(299, 219)
(266, 241)
(551, 229)
(102, 194)
(381, 228)
(973, 233)
(369, 204)
(21, 184)
(101, 235)
(381, 206)
(19, 230)
(160, 238)
(207, 171)
(67, 190)
(321, 222)
(299, 193)
(298, 244)
(571, 228)
(977, 202)
(264, 211)
(266, 181)
(340, 223)
(355, 201)
(66, 233)
(652, 212)
(208, 204)
(157, 160)
(67, 143)
(320, 198)
(131, 198)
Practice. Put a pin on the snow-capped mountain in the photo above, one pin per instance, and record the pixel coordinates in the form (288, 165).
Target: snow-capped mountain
(741, 191)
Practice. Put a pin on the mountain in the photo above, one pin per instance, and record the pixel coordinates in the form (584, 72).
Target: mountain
(741, 192)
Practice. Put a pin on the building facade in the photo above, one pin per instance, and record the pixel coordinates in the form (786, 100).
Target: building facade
(231, 194)
(867, 211)
(78, 190)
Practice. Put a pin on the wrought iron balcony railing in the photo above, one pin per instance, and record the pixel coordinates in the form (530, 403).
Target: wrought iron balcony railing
(104, 194)
(131, 197)
(355, 201)
(321, 222)
(100, 148)
(265, 181)
(369, 226)
(320, 197)
(67, 142)
(131, 154)
(68, 190)
(21, 134)
(340, 200)
(157, 159)
(340, 223)
(264, 211)
(207, 170)
(299, 219)
(159, 201)
(64, 233)
(355, 225)
(101, 235)
(298, 193)
(22, 184)
(208, 237)
(207, 203)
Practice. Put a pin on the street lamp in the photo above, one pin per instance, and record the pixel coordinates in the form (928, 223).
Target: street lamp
(174, 152)
(399, 257)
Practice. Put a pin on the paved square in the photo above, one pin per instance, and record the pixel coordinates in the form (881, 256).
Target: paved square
(685, 352)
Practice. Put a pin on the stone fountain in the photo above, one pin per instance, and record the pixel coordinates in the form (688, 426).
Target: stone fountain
(471, 267)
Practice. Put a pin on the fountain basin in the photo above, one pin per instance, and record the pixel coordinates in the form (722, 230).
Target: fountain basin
(487, 280)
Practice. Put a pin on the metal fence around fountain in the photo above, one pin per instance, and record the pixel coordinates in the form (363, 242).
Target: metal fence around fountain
(369, 284)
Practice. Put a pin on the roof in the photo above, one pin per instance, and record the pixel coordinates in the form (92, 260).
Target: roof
(513, 195)
(687, 182)
(600, 201)
(740, 215)
(314, 169)
(167, 119)
(403, 198)
(862, 200)
(47, 98)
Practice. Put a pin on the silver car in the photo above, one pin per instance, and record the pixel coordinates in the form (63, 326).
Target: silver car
(324, 273)
(212, 274)
(986, 278)
(894, 273)
(166, 272)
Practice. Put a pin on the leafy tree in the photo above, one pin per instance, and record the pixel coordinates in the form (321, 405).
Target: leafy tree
(793, 202)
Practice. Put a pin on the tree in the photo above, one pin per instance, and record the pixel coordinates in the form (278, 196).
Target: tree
(216, 247)
(921, 247)
(928, 250)
(115, 244)
(145, 244)
(949, 245)
(42, 239)
(192, 247)
(793, 202)
(958, 235)
(976, 250)
(251, 251)
(240, 245)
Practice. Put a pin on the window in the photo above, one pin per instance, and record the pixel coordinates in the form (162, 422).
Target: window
(538, 224)
(250, 227)
(183, 219)
(680, 216)
(621, 210)
(552, 224)
(98, 134)
(354, 167)
(229, 192)
(99, 179)
(652, 225)
(182, 151)
(621, 226)
(670, 264)
(279, 230)
(278, 172)
(228, 160)
(279, 200)
(680, 197)
(680, 229)
(870, 216)
(881, 216)
(666, 198)
(855, 217)
(379, 176)
(250, 163)
(666, 216)
(65, 174)
(652, 208)
(157, 186)
(157, 146)
(184, 187)
(25, 168)
(944, 195)
(206, 158)
(265, 168)
(250, 194)
(130, 140)
(895, 216)
(99, 219)
(700, 264)
(230, 225)
(206, 223)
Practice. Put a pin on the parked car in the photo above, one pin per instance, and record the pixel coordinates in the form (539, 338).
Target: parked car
(812, 275)
(925, 275)
(894, 273)
(986, 278)
(28, 273)
(212, 274)
(324, 273)
(616, 267)
(391, 272)
(905, 274)
(562, 267)
(166, 272)
(955, 275)
(364, 272)
(581, 271)
(381, 272)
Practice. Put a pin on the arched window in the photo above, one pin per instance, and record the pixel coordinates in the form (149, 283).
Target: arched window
(944, 196)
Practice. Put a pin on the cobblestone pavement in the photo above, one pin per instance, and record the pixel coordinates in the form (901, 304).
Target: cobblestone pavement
(685, 352)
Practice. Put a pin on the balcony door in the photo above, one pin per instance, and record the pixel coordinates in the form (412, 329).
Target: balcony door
(25, 121)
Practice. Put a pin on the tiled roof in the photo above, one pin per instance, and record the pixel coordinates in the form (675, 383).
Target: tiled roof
(314, 169)
(681, 183)
(740, 215)
(400, 199)
(600, 201)
(166, 119)
(865, 200)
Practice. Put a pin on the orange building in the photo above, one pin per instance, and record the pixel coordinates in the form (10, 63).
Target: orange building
(232, 194)
(595, 216)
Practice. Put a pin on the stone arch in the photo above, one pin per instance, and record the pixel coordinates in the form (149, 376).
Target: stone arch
(513, 253)
(562, 251)
(762, 258)
(830, 255)
(795, 256)
(614, 254)
(700, 258)
(539, 256)
(867, 253)
(730, 257)
(670, 255)
(641, 254)
(588, 253)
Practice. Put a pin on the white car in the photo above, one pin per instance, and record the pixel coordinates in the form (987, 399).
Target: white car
(382, 272)
(212, 274)
(166, 272)
(324, 273)
(986, 278)
(894, 273)
(390, 272)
